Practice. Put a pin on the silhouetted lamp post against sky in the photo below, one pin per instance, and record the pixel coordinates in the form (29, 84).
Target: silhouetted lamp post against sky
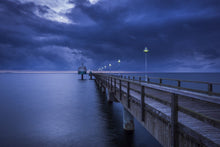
(145, 52)
(110, 67)
(119, 61)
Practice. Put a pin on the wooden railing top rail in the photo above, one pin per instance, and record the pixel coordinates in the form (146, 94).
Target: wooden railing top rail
(164, 90)
(210, 89)
(202, 82)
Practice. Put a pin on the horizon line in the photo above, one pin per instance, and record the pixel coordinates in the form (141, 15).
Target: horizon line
(74, 71)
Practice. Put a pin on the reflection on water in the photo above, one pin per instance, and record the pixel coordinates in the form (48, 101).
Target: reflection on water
(61, 110)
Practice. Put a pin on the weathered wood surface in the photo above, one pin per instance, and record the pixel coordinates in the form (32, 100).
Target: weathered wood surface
(198, 114)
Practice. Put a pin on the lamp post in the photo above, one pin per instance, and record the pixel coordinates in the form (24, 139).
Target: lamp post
(145, 52)
(110, 67)
(119, 61)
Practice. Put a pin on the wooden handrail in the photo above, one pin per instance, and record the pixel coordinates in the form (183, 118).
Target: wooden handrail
(209, 89)
(202, 82)
(179, 85)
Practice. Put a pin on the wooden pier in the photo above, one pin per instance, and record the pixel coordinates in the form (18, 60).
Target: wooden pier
(174, 115)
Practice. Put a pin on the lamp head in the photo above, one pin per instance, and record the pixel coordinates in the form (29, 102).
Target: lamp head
(146, 50)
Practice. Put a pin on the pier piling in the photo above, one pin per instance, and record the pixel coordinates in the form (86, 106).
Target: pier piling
(128, 120)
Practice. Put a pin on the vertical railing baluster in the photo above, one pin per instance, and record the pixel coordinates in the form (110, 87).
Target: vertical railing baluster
(210, 88)
(142, 103)
(133, 78)
(148, 79)
(111, 84)
(139, 79)
(174, 120)
(179, 83)
(128, 94)
(106, 82)
(160, 81)
(115, 85)
(120, 89)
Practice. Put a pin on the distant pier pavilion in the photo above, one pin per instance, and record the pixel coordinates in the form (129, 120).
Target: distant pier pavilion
(82, 70)
(174, 115)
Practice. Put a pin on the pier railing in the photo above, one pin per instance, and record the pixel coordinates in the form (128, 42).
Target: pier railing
(128, 85)
(210, 88)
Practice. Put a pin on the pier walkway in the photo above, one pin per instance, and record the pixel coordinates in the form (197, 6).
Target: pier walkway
(175, 116)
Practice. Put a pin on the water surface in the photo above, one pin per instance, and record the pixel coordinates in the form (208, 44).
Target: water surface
(61, 110)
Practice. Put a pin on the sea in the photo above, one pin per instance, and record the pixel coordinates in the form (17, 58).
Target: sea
(59, 109)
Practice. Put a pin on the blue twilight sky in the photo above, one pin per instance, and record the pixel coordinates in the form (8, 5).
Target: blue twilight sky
(182, 35)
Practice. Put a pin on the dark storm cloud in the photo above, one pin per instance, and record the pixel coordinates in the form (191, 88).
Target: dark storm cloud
(181, 35)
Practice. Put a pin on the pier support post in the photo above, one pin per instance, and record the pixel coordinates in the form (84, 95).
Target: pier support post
(99, 84)
(110, 95)
(103, 89)
(81, 76)
(128, 120)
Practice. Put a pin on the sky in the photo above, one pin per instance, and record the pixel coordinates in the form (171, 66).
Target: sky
(182, 36)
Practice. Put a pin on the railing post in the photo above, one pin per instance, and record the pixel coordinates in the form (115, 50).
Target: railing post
(133, 78)
(142, 103)
(128, 77)
(111, 84)
(139, 79)
(115, 85)
(160, 81)
(120, 89)
(179, 84)
(210, 88)
(128, 94)
(148, 79)
(106, 82)
(174, 121)
(121, 76)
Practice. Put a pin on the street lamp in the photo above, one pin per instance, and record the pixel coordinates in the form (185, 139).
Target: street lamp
(119, 61)
(110, 67)
(145, 52)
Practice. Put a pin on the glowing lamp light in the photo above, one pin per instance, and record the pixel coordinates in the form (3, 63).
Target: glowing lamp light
(119, 60)
(146, 50)
(110, 65)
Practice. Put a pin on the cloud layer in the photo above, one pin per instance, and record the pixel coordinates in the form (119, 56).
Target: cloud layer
(61, 34)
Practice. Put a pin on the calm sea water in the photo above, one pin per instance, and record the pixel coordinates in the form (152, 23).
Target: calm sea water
(61, 110)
